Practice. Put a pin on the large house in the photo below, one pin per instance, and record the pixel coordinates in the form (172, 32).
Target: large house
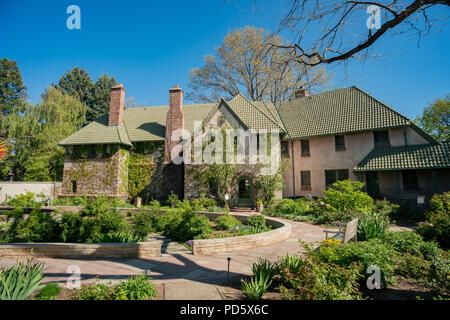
(342, 134)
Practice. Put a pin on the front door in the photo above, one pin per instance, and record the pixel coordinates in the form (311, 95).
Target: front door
(244, 192)
(373, 186)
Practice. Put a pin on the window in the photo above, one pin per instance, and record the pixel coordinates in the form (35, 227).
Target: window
(305, 179)
(339, 143)
(410, 181)
(212, 187)
(304, 147)
(92, 153)
(285, 149)
(74, 186)
(106, 150)
(381, 138)
(331, 176)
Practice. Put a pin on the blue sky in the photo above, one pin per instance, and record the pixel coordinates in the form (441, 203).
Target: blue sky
(150, 46)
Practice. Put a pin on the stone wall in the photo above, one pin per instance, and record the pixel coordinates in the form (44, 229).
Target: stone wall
(95, 176)
(281, 231)
(142, 250)
(10, 189)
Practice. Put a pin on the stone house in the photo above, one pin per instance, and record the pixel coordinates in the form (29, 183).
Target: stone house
(342, 134)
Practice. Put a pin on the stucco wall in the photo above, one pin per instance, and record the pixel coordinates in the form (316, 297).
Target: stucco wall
(323, 156)
(11, 189)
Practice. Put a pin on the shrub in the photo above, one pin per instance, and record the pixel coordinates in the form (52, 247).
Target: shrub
(256, 287)
(226, 222)
(414, 267)
(184, 225)
(202, 203)
(412, 243)
(257, 221)
(155, 204)
(119, 237)
(347, 195)
(372, 225)
(367, 253)
(49, 292)
(96, 291)
(438, 226)
(307, 278)
(172, 200)
(96, 206)
(134, 288)
(386, 208)
(39, 226)
(143, 223)
(28, 199)
(21, 280)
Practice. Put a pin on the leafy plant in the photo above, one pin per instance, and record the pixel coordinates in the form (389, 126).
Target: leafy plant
(257, 220)
(134, 288)
(372, 225)
(95, 291)
(347, 195)
(264, 268)
(226, 222)
(291, 262)
(120, 237)
(49, 292)
(256, 287)
(20, 281)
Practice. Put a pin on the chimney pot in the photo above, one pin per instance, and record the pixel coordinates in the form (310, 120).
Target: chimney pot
(301, 93)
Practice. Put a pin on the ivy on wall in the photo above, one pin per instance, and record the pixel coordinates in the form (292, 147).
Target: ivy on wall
(140, 170)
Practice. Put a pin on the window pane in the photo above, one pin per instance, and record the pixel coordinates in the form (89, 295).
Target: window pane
(342, 174)
(305, 179)
(305, 147)
(381, 138)
(339, 142)
(285, 148)
(330, 177)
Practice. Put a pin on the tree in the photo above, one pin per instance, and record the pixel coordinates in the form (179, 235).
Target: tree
(435, 119)
(244, 64)
(78, 84)
(333, 31)
(268, 184)
(34, 134)
(100, 96)
(12, 89)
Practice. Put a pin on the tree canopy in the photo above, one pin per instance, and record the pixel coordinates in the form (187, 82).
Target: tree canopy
(33, 134)
(435, 119)
(12, 89)
(78, 83)
(244, 64)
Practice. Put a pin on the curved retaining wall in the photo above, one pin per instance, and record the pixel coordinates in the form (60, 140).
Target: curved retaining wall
(281, 231)
(141, 250)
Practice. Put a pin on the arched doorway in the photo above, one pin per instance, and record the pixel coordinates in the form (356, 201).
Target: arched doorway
(244, 191)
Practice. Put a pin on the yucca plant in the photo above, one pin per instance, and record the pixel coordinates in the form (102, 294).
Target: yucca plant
(264, 268)
(372, 225)
(256, 287)
(291, 261)
(20, 281)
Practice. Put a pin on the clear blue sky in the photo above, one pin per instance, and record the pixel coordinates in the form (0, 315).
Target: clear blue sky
(150, 46)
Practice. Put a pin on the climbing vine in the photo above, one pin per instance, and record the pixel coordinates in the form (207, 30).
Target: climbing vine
(140, 170)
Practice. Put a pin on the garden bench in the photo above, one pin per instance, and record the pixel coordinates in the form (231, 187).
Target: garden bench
(349, 232)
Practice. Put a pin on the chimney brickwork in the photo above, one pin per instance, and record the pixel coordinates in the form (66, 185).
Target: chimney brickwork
(174, 119)
(116, 105)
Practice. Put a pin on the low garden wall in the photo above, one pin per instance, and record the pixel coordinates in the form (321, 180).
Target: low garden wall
(142, 250)
(281, 231)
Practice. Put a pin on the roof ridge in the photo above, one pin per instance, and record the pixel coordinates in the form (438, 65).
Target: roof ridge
(260, 111)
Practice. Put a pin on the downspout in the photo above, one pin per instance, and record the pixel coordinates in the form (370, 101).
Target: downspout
(293, 168)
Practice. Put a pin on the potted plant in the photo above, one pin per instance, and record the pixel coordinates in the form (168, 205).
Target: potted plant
(259, 205)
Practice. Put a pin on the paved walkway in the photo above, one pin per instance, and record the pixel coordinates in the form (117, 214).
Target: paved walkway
(183, 276)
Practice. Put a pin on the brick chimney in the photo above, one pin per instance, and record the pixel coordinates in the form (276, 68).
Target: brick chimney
(300, 93)
(116, 105)
(174, 118)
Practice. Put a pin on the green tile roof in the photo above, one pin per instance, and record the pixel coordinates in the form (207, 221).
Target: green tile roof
(139, 124)
(339, 111)
(423, 156)
(336, 112)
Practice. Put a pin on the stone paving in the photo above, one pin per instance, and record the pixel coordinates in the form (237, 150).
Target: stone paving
(185, 276)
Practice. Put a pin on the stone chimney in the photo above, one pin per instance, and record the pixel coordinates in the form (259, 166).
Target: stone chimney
(174, 119)
(300, 93)
(116, 105)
